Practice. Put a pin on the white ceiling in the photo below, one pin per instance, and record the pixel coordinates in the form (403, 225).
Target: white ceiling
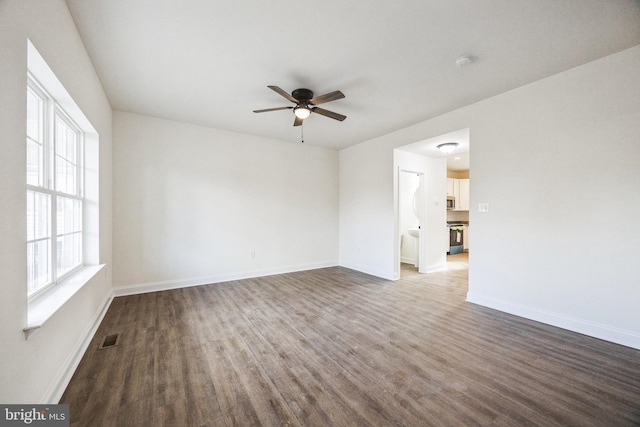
(209, 62)
(458, 160)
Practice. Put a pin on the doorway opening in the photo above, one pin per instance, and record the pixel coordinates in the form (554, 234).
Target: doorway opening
(439, 172)
(410, 212)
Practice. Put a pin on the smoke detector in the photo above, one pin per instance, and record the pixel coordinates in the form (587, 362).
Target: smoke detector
(463, 61)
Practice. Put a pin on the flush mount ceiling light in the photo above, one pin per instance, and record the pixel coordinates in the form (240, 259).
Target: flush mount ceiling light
(448, 147)
(302, 112)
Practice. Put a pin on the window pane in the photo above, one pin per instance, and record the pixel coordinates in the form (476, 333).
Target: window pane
(34, 116)
(69, 232)
(34, 163)
(38, 240)
(38, 215)
(65, 176)
(69, 219)
(38, 270)
(35, 157)
(69, 252)
(66, 149)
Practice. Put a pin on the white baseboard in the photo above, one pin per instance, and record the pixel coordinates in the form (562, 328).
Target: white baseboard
(61, 381)
(166, 285)
(582, 326)
(408, 260)
(436, 267)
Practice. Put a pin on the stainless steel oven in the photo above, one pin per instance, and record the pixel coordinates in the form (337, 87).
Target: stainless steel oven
(456, 238)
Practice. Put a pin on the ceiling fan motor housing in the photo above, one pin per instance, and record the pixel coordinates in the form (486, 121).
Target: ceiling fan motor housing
(302, 95)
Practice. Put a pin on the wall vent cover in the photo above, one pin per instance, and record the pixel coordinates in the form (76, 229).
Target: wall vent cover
(109, 341)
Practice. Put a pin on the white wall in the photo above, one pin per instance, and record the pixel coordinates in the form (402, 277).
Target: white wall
(191, 205)
(36, 370)
(557, 161)
(367, 239)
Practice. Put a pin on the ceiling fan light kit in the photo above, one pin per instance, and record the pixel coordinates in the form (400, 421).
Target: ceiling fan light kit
(302, 112)
(306, 104)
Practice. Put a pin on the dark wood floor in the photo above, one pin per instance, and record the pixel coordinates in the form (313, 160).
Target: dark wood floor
(334, 347)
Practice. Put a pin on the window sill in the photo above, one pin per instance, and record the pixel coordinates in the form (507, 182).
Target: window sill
(46, 305)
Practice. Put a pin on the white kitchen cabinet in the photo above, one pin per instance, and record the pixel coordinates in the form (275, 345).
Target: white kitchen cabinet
(459, 188)
(462, 198)
(450, 187)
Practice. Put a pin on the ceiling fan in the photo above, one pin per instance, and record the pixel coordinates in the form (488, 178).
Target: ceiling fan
(306, 104)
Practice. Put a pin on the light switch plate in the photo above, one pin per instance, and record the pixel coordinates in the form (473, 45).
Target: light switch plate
(483, 207)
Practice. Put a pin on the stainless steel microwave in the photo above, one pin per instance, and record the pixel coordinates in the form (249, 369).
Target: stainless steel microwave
(451, 202)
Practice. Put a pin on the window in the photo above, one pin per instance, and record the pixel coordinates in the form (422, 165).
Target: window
(54, 191)
(63, 193)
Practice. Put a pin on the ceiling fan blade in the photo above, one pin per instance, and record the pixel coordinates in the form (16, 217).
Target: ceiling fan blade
(332, 96)
(283, 93)
(272, 109)
(328, 113)
(297, 121)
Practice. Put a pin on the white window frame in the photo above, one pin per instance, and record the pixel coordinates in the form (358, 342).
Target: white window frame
(52, 111)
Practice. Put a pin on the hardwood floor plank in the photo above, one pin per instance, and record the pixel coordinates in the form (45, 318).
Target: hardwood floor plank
(335, 347)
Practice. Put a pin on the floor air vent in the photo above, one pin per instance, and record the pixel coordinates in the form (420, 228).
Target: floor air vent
(109, 341)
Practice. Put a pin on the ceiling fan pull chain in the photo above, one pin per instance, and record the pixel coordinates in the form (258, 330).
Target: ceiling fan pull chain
(302, 132)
